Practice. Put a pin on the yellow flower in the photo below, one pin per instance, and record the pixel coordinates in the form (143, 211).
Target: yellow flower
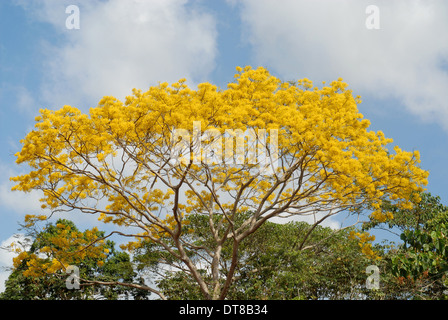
(321, 134)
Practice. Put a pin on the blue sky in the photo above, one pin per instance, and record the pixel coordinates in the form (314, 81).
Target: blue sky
(400, 70)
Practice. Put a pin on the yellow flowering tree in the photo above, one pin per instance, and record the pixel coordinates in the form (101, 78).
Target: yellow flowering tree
(149, 162)
(58, 247)
(60, 262)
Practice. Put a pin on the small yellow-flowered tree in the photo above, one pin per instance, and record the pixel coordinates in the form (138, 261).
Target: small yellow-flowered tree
(151, 161)
(59, 249)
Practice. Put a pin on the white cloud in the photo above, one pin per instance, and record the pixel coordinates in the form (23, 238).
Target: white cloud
(326, 39)
(123, 45)
(22, 97)
(15, 201)
(330, 222)
(6, 256)
(25, 101)
(19, 202)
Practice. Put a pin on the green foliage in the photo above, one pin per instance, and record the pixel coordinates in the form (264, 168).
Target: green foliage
(279, 266)
(276, 262)
(424, 258)
(418, 268)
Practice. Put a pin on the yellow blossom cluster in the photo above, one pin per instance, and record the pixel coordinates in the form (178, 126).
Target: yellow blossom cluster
(119, 153)
(364, 242)
(58, 249)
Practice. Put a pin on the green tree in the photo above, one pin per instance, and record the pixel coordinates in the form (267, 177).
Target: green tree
(418, 267)
(259, 145)
(32, 277)
(280, 261)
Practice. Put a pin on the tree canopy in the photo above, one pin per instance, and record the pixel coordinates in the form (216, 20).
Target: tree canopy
(40, 270)
(264, 146)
